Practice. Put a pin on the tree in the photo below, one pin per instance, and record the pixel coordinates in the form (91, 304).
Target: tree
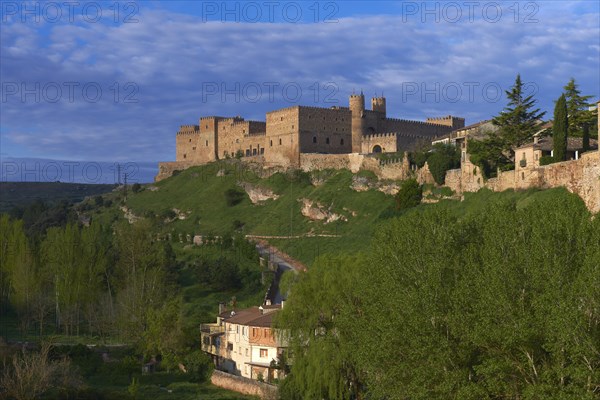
(559, 129)
(517, 123)
(579, 116)
(409, 195)
(442, 158)
(31, 374)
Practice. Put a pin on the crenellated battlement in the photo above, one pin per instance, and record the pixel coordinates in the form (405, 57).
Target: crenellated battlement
(379, 135)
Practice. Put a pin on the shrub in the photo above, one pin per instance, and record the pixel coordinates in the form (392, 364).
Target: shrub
(234, 197)
(136, 187)
(409, 195)
(99, 201)
(199, 366)
(545, 160)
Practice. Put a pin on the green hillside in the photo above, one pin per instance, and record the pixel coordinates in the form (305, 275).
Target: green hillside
(199, 195)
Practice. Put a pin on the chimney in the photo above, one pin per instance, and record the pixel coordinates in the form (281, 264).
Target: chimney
(222, 308)
(536, 139)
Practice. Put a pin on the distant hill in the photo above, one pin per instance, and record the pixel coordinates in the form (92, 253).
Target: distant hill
(23, 193)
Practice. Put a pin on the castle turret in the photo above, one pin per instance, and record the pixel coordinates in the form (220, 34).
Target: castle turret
(357, 107)
(378, 105)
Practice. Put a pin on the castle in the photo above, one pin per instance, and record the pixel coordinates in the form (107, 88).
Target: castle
(289, 132)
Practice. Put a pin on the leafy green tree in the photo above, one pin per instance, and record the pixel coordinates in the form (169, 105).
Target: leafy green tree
(442, 158)
(409, 195)
(323, 365)
(140, 273)
(559, 129)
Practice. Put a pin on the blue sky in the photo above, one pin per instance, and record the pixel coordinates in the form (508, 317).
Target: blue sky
(91, 83)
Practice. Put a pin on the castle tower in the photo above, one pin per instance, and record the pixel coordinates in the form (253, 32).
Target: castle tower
(378, 105)
(357, 107)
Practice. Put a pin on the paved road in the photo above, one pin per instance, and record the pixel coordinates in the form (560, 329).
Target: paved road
(270, 254)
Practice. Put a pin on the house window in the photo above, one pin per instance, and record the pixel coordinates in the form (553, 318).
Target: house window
(327, 141)
(253, 152)
(262, 150)
(264, 353)
(247, 152)
(229, 346)
(247, 354)
(314, 139)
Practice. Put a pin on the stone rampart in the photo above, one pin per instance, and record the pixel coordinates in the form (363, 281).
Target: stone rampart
(244, 385)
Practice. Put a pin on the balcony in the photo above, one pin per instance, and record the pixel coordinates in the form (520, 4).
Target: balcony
(210, 338)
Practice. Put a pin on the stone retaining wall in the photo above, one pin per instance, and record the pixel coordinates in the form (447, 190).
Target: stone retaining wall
(244, 385)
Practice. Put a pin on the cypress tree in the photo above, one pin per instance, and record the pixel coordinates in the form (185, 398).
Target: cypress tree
(561, 124)
(586, 137)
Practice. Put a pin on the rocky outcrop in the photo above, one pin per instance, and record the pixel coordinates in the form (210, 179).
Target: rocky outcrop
(258, 194)
(317, 212)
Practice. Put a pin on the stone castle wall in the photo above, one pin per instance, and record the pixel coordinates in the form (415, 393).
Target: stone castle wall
(581, 177)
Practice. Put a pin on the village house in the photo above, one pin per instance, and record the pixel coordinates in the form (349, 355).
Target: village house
(244, 343)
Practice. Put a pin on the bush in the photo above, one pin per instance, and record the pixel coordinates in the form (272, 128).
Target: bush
(409, 195)
(199, 366)
(99, 201)
(545, 160)
(136, 187)
(234, 197)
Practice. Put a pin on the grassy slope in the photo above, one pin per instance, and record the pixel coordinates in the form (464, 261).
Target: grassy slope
(23, 193)
(201, 191)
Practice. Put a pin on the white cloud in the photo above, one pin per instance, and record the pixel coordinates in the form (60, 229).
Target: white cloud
(169, 56)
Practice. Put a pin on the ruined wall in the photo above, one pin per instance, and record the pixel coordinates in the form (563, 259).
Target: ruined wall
(581, 177)
(166, 169)
(244, 385)
(325, 130)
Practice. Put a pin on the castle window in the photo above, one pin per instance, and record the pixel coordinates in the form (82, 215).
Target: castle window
(244, 131)
(342, 142)
(185, 155)
(190, 140)
(223, 127)
(237, 140)
(207, 142)
(327, 140)
(314, 139)
(194, 148)
(280, 141)
(292, 126)
(281, 118)
(271, 143)
(206, 126)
